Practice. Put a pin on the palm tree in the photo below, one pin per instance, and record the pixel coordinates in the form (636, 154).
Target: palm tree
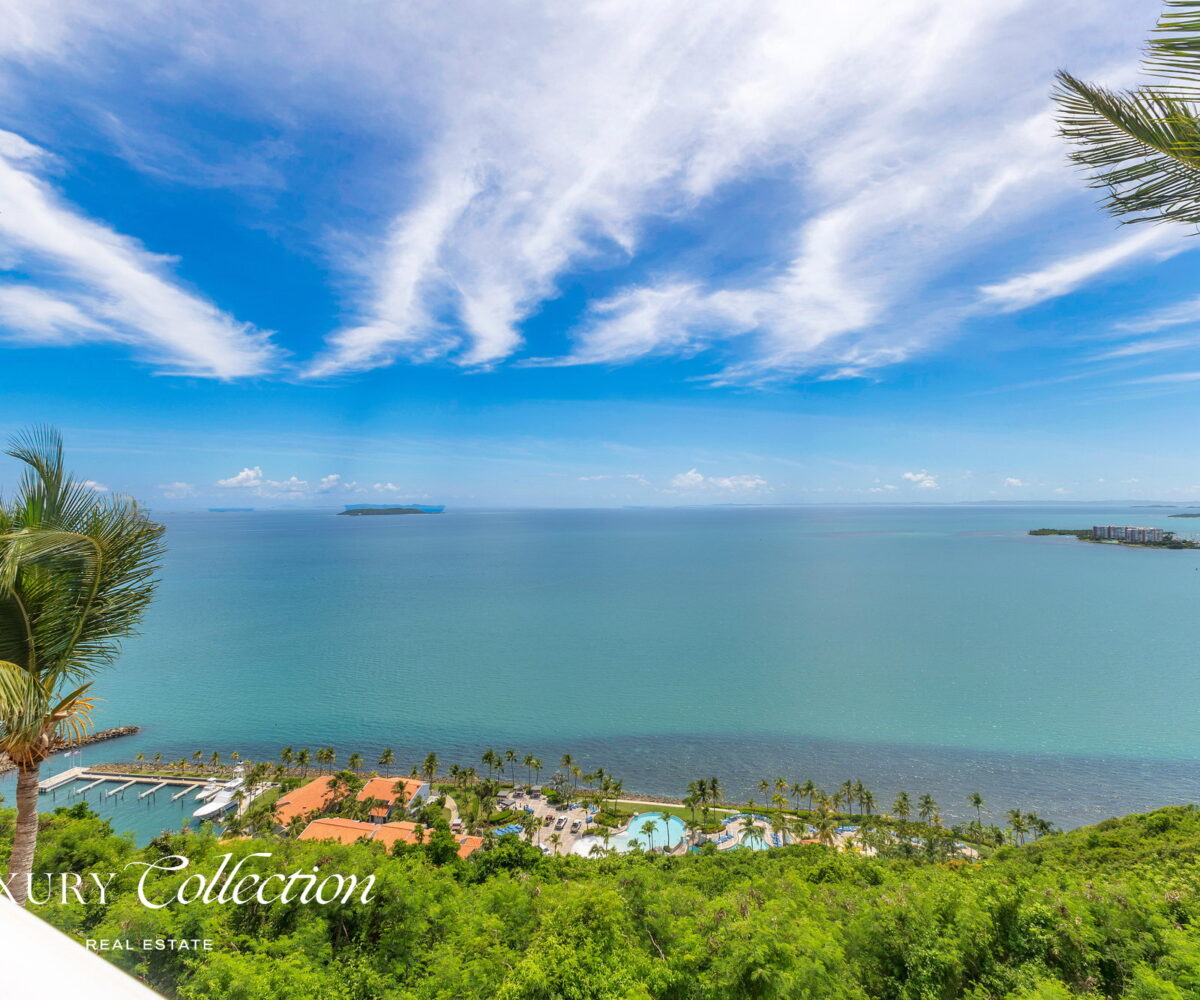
(490, 759)
(847, 791)
(647, 830)
(808, 790)
(510, 758)
(826, 829)
(1143, 146)
(139, 756)
(76, 573)
(1016, 821)
(527, 762)
(386, 760)
(902, 807)
(868, 802)
(429, 768)
(975, 801)
(215, 759)
(286, 755)
(327, 756)
(158, 758)
(926, 808)
(537, 769)
(302, 761)
(555, 840)
(355, 762)
(198, 756)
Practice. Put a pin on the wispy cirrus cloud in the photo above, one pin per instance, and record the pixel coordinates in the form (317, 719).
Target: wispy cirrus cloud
(87, 282)
(1065, 275)
(897, 149)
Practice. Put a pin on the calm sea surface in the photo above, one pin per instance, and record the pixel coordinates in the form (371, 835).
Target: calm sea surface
(934, 649)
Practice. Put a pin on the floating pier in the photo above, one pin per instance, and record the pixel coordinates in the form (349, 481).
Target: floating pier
(157, 782)
(60, 779)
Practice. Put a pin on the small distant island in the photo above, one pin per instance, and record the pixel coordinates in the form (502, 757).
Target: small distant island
(1183, 515)
(371, 511)
(1125, 534)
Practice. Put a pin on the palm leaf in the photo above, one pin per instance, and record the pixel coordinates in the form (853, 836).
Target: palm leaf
(1173, 52)
(1142, 146)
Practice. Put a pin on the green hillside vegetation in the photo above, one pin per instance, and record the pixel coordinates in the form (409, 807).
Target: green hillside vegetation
(1104, 911)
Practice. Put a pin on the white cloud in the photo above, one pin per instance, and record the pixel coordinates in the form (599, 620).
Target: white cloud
(1139, 348)
(1071, 272)
(1014, 481)
(896, 149)
(1177, 314)
(94, 486)
(1167, 378)
(247, 477)
(923, 480)
(252, 479)
(331, 482)
(177, 490)
(386, 488)
(555, 154)
(694, 481)
(90, 282)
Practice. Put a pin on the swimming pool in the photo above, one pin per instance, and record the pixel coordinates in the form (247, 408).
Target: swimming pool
(668, 831)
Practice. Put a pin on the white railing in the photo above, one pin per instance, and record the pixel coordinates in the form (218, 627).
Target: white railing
(38, 961)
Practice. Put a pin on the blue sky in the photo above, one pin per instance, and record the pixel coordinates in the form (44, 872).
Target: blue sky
(600, 253)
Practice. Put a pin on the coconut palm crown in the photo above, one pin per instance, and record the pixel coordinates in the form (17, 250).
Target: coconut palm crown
(76, 572)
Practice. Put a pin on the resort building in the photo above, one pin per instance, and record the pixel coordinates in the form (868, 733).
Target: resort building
(314, 797)
(318, 795)
(350, 831)
(344, 831)
(393, 793)
(1128, 533)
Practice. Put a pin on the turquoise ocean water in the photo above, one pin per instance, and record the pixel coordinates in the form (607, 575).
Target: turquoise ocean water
(929, 648)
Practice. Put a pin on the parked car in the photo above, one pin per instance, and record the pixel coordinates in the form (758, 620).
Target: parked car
(576, 825)
(562, 822)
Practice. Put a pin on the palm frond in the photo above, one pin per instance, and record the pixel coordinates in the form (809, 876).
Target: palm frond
(1142, 146)
(1173, 52)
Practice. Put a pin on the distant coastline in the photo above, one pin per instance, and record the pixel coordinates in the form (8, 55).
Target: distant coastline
(1169, 541)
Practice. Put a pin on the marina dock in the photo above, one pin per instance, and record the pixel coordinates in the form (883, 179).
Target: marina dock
(157, 782)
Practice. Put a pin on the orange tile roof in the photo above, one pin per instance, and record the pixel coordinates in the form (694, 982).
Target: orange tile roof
(384, 789)
(468, 845)
(344, 831)
(303, 800)
(389, 833)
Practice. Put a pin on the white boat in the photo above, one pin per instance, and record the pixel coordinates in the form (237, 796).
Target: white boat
(222, 801)
(208, 791)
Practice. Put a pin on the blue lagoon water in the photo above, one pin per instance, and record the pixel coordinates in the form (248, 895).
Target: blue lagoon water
(935, 649)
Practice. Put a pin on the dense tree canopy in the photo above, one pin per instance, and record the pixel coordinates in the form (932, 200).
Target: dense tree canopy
(1105, 911)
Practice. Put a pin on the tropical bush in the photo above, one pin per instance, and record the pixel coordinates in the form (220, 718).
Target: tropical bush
(1104, 911)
